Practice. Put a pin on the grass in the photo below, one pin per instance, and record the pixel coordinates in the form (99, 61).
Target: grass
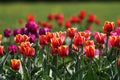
(11, 12)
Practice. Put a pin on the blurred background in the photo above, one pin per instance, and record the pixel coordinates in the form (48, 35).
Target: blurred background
(12, 12)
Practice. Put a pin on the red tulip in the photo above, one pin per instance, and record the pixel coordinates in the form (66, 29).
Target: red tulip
(63, 51)
(68, 24)
(49, 35)
(108, 27)
(29, 51)
(75, 48)
(82, 14)
(60, 22)
(71, 32)
(100, 37)
(30, 17)
(118, 23)
(51, 16)
(112, 40)
(90, 51)
(56, 42)
(79, 40)
(91, 18)
(59, 16)
(43, 40)
(15, 64)
(97, 21)
(73, 19)
(1, 50)
(89, 42)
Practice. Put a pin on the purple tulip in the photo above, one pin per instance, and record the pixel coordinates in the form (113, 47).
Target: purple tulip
(24, 31)
(7, 33)
(16, 31)
(32, 26)
(42, 31)
(32, 38)
(12, 49)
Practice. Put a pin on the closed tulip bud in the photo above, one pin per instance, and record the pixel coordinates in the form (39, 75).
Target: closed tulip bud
(68, 24)
(90, 51)
(1, 50)
(112, 40)
(63, 51)
(7, 33)
(73, 19)
(51, 16)
(97, 21)
(118, 23)
(12, 49)
(15, 64)
(30, 17)
(118, 62)
(60, 22)
(71, 32)
(82, 14)
(91, 18)
(108, 27)
(59, 16)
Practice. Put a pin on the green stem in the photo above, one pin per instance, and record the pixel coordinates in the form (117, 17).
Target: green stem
(64, 69)
(107, 36)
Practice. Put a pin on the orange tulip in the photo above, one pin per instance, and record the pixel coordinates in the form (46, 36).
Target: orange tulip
(29, 52)
(63, 51)
(90, 51)
(71, 32)
(43, 40)
(108, 27)
(15, 64)
(49, 35)
(89, 42)
(112, 40)
(21, 38)
(0, 37)
(119, 61)
(56, 42)
(1, 50)
(53, 50)
(79, 40)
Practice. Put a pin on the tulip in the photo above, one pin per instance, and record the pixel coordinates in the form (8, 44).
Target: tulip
(30, 17)
(118, 30)
(16, 31)
(73, 19)
(24, 31)
(86, 34)
(71, 32)
(112, 40)
(89, 42)
(118, 23)
(53, 50)
(97, 21)
(75, 48)
(118, 62)
(20, 21)
(42, 31)
(90, 51)
(7, 33)
(49, 35)
(60, 22)
(78, 40)
(100, 37)
(91, 18)
(68, 24)
(59, 16)
(108, 27)
(21, 38)
(63, 51)
(32, 26)
(51, 16)
(15, 64)
(32, 38)
(0, 37)
(29, 52)
(56, 42)
(12, 49)
(46, 24)
(1, 50)
(82, 14)
(43, 40)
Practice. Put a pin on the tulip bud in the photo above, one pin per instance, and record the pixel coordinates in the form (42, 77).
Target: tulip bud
(12, 49)
(63, 51)
(15, 64)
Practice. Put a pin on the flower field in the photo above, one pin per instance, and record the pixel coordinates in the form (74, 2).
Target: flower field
(80, 46)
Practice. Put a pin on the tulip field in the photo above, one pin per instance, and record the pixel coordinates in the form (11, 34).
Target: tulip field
(56, 44)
